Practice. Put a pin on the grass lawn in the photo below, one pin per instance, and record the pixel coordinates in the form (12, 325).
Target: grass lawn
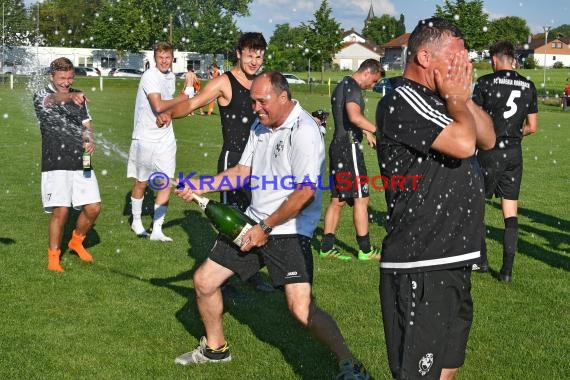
(128, 315)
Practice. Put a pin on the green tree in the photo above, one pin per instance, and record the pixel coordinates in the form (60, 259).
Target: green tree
(381, 29)
(510, 28)
(324, 38)
(18, 28)
(66, 22)
(470, 18)
(563, 29)
(207, 26)
(286, 47)
(401, 26)
(130, 25)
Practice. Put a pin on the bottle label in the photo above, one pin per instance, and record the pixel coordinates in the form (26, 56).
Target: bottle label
(86, 162)
(239, 239)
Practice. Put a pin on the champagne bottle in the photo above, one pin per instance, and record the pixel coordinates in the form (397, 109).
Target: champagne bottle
(86, 157)
(227, 220)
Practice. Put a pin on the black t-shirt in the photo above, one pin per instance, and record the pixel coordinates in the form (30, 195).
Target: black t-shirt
(436, 223)
(62, 129)
(508, 98)
(237, 117)
(346, 91)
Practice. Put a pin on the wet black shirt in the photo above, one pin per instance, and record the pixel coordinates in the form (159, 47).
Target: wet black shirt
(438, 224)
(237, 117)
(62, 129)
(346, 91)
(508, 98)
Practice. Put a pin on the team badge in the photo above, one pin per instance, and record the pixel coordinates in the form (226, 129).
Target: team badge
(425, 364)
(278, 149)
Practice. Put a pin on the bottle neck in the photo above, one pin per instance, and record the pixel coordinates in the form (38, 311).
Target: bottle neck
(202, 201)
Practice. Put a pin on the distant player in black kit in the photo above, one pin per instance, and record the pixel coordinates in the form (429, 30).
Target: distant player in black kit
(346, 160)
(510, 99)
(430, 127)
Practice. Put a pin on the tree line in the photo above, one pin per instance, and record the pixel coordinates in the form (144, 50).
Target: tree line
(209, 26)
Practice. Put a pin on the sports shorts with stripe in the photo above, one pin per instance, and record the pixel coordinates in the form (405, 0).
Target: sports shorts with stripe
(346, 165)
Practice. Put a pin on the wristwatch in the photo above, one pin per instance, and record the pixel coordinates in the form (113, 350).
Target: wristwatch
(264, 227)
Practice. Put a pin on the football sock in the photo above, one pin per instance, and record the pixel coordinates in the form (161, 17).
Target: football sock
(328, 242)
(137, 226)
(158, 220)
(219, 353)
(76, 244)
(364, 243)
(53, 260)
(510, 242)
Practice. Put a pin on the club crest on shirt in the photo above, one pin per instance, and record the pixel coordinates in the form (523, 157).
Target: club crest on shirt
(278, 149)
(425, 364)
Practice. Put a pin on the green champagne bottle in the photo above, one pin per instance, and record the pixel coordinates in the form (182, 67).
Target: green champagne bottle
(227, 220)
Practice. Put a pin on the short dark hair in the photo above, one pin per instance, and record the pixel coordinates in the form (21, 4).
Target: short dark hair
(60, 64)
(372, 65)
(251, 40)
(502, 49)
(428, 31)
(278, 82)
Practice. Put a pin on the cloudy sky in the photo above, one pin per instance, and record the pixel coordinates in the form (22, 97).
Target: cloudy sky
(266, 14)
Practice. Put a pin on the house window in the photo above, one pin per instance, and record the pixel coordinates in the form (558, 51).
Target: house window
(554, 58)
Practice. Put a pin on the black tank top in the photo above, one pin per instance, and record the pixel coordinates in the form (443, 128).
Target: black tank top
(236, 117)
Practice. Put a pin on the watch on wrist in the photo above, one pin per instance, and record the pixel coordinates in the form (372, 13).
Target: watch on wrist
(264, 227)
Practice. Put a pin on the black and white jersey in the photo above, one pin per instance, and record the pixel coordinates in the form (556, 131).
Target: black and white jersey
(345, 92)
(62, 129)
(508, 98)
(435, 208)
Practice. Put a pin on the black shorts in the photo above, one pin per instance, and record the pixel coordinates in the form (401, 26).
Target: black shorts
(427, 317)
(347, 169)
(502, 172)
(288, 258)
(239, 198)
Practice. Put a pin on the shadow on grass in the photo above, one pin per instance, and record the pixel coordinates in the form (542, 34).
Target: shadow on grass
(265, 314)
(7, 241)
(557, 237)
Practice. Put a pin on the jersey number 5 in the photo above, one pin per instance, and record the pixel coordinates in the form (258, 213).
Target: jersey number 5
(511, 104)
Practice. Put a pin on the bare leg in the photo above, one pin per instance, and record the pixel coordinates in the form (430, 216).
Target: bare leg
(207, 282)
(320, 324)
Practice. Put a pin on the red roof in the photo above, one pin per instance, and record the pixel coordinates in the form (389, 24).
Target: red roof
(398, 42)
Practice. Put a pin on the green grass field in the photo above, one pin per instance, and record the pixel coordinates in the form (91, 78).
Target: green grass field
(128, 315)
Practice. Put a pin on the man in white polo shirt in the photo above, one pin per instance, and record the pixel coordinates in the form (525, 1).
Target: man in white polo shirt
(285, 157)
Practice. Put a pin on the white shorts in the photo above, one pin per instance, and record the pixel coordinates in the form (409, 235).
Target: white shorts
(147, 157)
(65, 188)
(190, 91)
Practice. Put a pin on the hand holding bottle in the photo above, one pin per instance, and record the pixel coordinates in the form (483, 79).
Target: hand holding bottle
(88, 142)
(255, 237)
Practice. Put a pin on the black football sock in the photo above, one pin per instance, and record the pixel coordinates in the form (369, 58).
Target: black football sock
(328, 242)
(510, 242)
(217, 353)
(364, 243)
